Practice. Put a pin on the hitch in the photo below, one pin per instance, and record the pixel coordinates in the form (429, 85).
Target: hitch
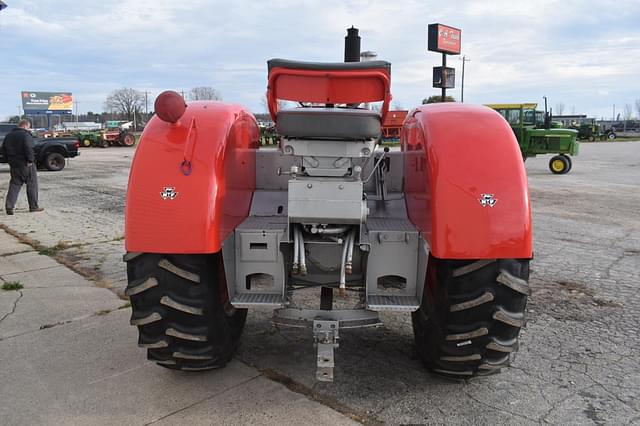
(325, 337)
(325, 326)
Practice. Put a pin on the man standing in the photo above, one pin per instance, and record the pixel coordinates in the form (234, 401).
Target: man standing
(18, 150)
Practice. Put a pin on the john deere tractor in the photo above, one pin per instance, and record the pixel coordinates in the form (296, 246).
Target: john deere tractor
(328, 229)
(537, 135)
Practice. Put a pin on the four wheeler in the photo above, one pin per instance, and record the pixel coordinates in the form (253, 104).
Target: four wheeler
(329, 229)
(536, 136)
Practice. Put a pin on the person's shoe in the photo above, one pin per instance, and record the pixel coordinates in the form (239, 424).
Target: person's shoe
(38, 209)
(9, 212)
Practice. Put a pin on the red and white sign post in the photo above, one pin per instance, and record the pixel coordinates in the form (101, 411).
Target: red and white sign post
(446, 40)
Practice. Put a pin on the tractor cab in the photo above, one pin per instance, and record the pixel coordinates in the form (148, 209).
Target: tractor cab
(536, 135)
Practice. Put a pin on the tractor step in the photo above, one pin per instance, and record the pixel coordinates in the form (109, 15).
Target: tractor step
(249, 300)
(393, 303)
(258, 274)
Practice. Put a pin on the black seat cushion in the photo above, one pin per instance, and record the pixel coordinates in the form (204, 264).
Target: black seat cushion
(330, 123)
(328, 66)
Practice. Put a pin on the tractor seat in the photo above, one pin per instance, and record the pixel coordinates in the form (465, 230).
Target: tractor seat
(328, 123)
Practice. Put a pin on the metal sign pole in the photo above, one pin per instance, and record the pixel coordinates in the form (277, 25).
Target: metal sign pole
(444, 77)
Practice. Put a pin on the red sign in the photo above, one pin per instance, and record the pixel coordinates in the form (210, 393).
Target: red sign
(444, 39)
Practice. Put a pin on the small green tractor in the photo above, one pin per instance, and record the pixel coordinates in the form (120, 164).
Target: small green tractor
(536, 135)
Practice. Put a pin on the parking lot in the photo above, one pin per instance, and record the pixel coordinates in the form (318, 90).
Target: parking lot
(575, 364)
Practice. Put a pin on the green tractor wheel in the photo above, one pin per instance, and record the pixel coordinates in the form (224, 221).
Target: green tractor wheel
(559, 164)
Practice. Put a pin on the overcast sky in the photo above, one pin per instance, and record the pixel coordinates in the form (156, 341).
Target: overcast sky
(584, 54)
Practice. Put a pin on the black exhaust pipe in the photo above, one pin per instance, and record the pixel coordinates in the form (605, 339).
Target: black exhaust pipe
(352, 45)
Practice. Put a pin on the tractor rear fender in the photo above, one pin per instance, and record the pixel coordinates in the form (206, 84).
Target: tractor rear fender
(191, 182)
(465, 183)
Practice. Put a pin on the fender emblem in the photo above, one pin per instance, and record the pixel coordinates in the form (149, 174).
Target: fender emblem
(168, 193)
(487, 200)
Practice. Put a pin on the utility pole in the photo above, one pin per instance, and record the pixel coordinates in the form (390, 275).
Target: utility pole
(146, 105)
(182, 91)
(76, 105)
(19, 113)
(463, 59)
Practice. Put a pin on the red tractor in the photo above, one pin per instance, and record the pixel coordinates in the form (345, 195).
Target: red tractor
(216, 225)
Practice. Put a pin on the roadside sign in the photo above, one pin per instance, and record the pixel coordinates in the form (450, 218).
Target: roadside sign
(444, 80)
(47, 102)
(444, 39)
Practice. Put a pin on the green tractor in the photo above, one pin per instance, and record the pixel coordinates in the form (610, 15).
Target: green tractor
(588, 130)
(536, 135)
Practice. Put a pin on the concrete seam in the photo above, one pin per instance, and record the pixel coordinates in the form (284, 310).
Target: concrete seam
(13, 309)
(203, 400)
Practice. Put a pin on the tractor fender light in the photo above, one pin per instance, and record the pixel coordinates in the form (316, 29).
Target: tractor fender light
(170, 106)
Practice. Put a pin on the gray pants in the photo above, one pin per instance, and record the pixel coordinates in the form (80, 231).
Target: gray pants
(20, 176)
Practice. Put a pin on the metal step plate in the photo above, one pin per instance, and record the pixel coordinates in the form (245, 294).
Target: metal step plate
(393, 303)
(249, 300)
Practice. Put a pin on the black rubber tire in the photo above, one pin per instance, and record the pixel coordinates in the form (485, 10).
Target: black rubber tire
(86, 142)
(54, 161)
(104, 144)
(180, 305)
(611, 136)
(568, 161)
(557, 159)
(471, 315)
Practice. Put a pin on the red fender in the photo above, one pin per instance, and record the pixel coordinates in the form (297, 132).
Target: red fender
(191, 182)
(454, 155)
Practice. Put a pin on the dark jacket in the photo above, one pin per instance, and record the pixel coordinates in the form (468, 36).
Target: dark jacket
(18, 147)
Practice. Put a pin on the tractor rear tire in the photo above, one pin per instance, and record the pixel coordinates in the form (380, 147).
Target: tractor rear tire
(559, 165)
(180, 305)
(471, 315)
(128, 139)
(104, 144)
(87, 143)
(568, 161)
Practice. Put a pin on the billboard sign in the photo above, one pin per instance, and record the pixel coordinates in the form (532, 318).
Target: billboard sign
(444, 39)
(47, 102)
(444, 80)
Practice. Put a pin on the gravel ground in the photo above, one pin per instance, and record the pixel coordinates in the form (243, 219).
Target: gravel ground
(575, 364)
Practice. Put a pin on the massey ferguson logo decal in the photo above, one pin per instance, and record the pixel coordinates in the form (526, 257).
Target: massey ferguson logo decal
(487, 200)
(168, 193)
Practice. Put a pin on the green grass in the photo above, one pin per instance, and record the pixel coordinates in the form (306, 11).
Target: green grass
(52, 251)
(12, 285)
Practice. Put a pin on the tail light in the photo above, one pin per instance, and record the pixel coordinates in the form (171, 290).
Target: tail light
(170, 106)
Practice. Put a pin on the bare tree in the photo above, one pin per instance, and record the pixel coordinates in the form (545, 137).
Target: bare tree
(638, 107)
(559, 108)
(204, 93)
(628, 112)
(125, 101)
(264, 101)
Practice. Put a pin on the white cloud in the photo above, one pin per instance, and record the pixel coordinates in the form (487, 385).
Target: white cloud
(581, 52)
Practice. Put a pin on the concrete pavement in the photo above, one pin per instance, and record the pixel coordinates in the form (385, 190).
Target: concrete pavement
(68, 356)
